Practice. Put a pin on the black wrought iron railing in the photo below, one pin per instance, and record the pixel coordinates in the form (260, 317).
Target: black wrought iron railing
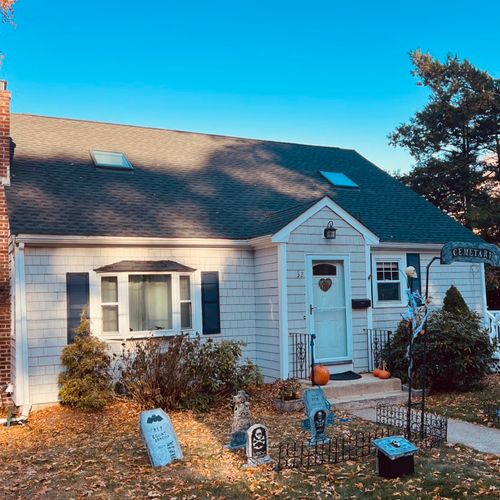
(379, 346)
(301, 355)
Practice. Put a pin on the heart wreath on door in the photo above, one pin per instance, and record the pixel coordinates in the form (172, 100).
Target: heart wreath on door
(325, 284)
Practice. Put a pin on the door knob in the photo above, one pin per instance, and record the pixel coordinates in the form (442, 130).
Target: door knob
(311, 308)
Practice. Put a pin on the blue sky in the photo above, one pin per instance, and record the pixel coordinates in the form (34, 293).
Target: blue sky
(319, 72)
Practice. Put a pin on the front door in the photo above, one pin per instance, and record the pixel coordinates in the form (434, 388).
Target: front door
(329, 318)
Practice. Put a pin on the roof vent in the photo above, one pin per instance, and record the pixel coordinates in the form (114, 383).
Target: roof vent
(110, 160)
(339, 179)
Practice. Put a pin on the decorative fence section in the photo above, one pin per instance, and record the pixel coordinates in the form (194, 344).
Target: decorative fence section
(492, 412)
(379, 340)
(434, 431)
(301, 355)
(298, 454)
(493, 326)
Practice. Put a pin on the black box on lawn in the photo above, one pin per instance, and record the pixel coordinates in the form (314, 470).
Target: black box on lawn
(395, 457)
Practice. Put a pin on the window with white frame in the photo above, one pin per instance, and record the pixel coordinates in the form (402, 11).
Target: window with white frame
(185, 301)
(145, 302)
(388, 281)
(109, 304)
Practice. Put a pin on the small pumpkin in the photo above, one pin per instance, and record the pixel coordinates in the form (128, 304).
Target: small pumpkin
(384, 373)
(321, 375)
(376, 372)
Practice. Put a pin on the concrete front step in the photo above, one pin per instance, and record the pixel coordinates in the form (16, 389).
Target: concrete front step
(368, 400)
(367, 384)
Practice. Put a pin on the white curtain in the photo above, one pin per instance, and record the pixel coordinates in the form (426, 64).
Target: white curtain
(150, 302)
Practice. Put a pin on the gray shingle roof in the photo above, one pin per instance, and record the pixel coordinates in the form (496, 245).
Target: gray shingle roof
(197, 185)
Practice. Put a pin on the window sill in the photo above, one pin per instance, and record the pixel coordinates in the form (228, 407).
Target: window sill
(387, 305)
(143, 335)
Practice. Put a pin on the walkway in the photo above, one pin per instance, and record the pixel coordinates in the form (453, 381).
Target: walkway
(475, 436)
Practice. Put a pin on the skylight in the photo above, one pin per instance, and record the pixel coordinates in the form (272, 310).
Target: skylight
(338, 179)
(109, 159)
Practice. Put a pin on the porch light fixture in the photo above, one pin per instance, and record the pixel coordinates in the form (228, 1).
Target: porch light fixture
(330, 233)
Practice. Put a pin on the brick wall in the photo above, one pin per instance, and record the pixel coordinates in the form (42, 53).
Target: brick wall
(5, 305)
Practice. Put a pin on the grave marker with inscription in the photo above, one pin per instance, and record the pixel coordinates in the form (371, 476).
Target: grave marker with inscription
(160, 437)
(319, 416)
(257, 445)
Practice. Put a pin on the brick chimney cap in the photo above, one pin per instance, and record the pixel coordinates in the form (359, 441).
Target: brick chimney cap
(3, 84)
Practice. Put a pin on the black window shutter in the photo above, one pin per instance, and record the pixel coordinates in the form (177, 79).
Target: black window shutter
(413, 259)
(77, 293)
(210, 303)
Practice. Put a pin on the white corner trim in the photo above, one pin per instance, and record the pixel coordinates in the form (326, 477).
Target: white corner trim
(283, 234)
(22, 391)
(484, 304)
(369, 295)
(283, 310)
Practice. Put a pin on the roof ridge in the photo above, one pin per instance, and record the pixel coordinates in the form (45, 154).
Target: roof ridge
(145, 127)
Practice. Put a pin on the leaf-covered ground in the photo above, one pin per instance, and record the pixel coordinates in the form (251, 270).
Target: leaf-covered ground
(68, 454)
(470, 405)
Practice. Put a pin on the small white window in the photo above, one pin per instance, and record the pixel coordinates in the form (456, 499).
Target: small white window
(109, 304)
(110, 159)
(388, 282)
(185, 299)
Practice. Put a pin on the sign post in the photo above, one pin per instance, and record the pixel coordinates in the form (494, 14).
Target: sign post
(477, 252)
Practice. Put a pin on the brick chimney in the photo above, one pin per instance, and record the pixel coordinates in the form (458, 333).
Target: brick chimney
(5, 302)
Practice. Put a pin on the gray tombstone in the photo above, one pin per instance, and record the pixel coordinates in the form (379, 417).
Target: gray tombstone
(257, 446)
(242, 420)
(160, 437)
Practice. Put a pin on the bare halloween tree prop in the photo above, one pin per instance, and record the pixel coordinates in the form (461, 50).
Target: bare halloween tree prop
(417, 320)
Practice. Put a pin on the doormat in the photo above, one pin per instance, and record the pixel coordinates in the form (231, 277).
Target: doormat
(350, 375)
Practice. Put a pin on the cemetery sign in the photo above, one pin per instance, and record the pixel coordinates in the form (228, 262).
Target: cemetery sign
(477, 252)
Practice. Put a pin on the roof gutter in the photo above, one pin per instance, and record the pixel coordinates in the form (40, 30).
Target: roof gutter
(45, 240)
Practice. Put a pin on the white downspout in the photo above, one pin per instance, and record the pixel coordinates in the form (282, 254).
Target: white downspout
(22, 395)
(283, 310)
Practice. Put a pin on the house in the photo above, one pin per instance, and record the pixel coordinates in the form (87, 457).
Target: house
(160, 231)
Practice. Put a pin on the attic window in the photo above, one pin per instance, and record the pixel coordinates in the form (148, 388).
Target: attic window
(111, 160)
(338, 179)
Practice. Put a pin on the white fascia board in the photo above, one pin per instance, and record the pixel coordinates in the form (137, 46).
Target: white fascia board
(62, 240)
(283, 234)
(423, 247)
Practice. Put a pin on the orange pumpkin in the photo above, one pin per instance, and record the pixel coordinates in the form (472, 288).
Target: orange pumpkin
(321, 375)
(376, 372)
(384, 374)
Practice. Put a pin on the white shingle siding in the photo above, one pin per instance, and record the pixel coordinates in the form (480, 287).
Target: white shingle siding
(466, 277)
(46, 270)
(308, 239)
(267, 311)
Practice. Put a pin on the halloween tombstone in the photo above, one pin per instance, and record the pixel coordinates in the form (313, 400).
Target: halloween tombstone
(242, 420)
(319, 416)
(160, 437)
(257, 446)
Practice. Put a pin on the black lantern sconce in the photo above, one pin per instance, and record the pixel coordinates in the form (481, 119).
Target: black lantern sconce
(330, 233)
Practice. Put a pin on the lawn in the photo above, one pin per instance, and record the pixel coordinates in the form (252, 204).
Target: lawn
(468, 405)
(69, 454)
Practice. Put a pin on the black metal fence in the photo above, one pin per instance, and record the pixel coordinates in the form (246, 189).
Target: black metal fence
(434, 431)
(379, 343)
(492, 412)
(301, 348)
(298, 454)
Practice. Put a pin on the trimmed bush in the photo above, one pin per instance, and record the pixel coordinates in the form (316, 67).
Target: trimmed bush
(86, 381)
(185, 372)
(459, 352)
(453, 302)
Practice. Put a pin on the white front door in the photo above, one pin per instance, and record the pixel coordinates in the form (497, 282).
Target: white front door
(329, 310)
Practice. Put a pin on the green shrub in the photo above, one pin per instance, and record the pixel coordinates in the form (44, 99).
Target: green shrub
(185, 372)
(86, 381)
(459, 352)
(453, 301)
